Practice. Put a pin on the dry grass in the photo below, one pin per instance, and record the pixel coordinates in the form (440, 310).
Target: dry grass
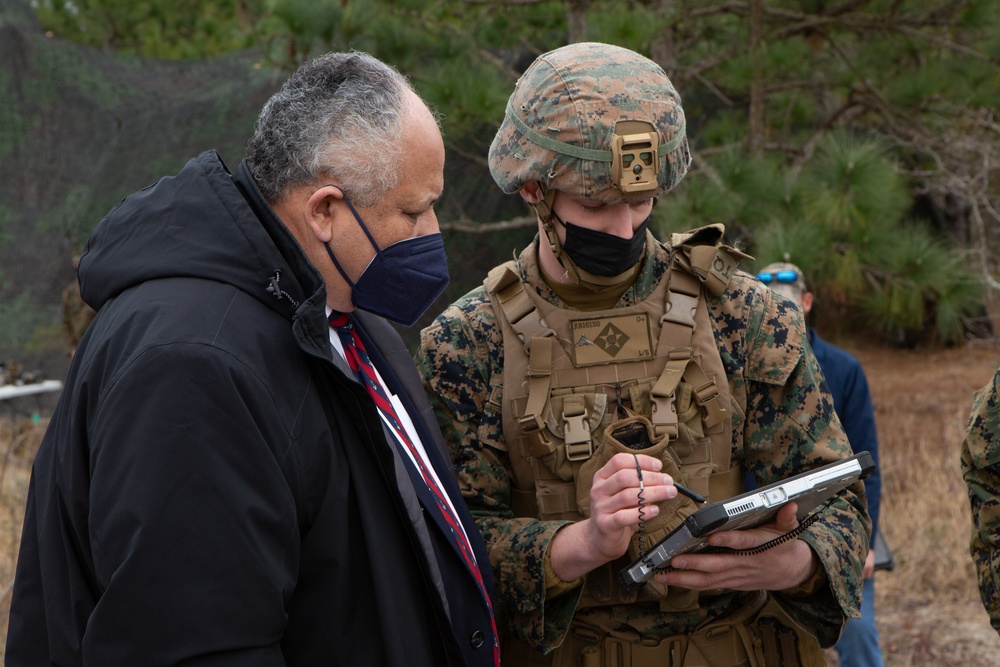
(20, 435)
(928, 608)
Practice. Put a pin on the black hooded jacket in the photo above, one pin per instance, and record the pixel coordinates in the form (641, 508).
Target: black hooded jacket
(213, 489)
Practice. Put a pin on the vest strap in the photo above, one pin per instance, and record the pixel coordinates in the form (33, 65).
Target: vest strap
(676, 334)
(500, 277)
(517, 306)
(523, 502)
(539, 381)
(714, 266)
(712, 262)
(558, 502)
(661, 396)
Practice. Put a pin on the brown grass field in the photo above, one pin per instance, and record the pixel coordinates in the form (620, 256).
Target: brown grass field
(928, 608)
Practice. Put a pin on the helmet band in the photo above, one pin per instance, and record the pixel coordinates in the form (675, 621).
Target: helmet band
(585, 153)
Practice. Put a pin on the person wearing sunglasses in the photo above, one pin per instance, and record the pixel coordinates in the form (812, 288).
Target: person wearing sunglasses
(775, 275)
(859, 644)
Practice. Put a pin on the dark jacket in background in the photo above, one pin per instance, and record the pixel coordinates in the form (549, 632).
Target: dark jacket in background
(852, 401)
(213, 488)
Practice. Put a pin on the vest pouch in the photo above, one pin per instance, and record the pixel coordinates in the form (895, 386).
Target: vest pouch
(692, 447)
(557, 462)
(635, 435)
(783, 641)
(696, 466)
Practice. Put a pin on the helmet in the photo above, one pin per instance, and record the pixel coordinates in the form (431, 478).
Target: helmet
(596, 121)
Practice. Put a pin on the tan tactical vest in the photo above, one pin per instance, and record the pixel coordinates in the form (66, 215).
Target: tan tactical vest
(568, 375)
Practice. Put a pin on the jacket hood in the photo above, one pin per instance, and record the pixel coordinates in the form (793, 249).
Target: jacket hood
(201, 223)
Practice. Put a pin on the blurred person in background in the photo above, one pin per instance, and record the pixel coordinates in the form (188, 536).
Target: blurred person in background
(76, 314)
(859, 644)
(981, 469)
(243, 468)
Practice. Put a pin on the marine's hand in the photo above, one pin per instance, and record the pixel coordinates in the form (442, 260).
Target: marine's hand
(614, 500)
(614, 514)
(784, 566)
(868, 571)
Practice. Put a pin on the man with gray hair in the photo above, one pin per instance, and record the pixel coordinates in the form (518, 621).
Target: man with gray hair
(243, 469)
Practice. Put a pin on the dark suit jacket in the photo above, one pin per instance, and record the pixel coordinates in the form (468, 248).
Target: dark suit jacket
(394, 363)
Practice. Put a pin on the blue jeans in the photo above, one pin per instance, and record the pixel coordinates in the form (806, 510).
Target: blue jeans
(858, 646)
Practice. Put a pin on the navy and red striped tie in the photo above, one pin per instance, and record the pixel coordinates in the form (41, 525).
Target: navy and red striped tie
(357, 359)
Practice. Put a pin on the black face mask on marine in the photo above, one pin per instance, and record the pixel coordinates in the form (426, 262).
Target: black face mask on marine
(603, 254)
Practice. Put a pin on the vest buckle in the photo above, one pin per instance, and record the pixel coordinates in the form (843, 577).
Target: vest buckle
(533, 429)
(580, 451)
(707, 396)
(579, 444)
(680, 309)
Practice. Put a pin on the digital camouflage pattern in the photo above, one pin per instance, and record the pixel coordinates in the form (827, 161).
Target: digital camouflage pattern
(787, 425)
(981, 469)
(576, 95)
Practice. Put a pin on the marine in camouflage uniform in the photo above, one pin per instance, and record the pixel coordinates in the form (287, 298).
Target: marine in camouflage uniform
(782, 417)
(981, 469)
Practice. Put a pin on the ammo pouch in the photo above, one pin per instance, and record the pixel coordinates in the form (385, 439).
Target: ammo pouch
(635, 435)
(759, 635)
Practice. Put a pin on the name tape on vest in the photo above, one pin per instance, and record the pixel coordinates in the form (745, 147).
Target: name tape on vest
(615, 339)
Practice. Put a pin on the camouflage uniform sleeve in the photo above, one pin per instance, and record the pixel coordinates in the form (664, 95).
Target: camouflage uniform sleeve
(461, 361)
(790, 427)
(981, 469)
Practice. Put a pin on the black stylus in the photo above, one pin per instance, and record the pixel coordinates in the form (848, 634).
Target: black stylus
(684, 491)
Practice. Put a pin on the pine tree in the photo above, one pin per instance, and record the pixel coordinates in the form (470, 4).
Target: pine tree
(856, 136)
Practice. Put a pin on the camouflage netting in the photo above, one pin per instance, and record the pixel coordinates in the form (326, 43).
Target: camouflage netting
(80, 129)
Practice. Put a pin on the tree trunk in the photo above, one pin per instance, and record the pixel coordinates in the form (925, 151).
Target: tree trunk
(755, 131)
(576, 20)
(663, 49)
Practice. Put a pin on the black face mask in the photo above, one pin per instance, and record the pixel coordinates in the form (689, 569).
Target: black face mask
(603, 254)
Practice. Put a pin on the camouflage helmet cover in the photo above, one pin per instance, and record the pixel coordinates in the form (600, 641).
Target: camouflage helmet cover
(560, 123)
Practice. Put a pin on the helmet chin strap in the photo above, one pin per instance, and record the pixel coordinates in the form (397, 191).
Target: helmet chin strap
(546, 216)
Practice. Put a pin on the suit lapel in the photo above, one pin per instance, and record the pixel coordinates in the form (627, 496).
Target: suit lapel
(394, 363)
